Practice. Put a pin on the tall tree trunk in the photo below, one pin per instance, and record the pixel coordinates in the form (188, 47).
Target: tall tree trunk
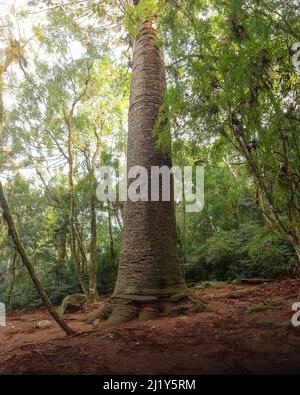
(149, 269)
(61, 241)
(2, 152)
(61, 247)
(295, 241)
(73, 245)
(93, 292)
(111, 238)
(1, 107)
(26, 261)
(148, 262)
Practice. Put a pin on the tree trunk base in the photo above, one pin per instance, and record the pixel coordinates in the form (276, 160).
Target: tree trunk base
(122, 310)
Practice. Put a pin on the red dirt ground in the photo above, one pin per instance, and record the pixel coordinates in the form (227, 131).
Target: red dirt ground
(229, 338)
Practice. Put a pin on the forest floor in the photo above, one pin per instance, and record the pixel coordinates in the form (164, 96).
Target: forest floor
(245, 330)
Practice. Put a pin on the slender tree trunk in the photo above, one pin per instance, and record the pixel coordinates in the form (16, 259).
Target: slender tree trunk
(61, 242)
(76, 249)
(297, 249)
(296, 244)
(61, 247)
(184, 225)
(73, 245)
(93, 292)
(26, 261)
(265, 193)
(12, 231)
(1, 106)
(13, 280)
(2, 153)
(111, 243)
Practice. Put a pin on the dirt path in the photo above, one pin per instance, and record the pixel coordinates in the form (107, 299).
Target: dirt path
(244, 331)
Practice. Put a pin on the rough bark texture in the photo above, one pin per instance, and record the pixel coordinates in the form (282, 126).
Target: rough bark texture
(150, 280)
(148, 262)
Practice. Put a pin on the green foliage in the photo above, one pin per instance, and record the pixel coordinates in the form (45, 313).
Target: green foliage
(250, 251)
(107, 274)
(229, 239)
(135, 16)
(231, 75)
(232, 106)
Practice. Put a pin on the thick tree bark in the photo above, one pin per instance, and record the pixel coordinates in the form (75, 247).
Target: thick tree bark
(148, 262)
(150, 281)
(150, 277)
(26, 261)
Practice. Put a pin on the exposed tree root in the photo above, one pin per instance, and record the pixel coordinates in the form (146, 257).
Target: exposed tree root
(119, 311)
